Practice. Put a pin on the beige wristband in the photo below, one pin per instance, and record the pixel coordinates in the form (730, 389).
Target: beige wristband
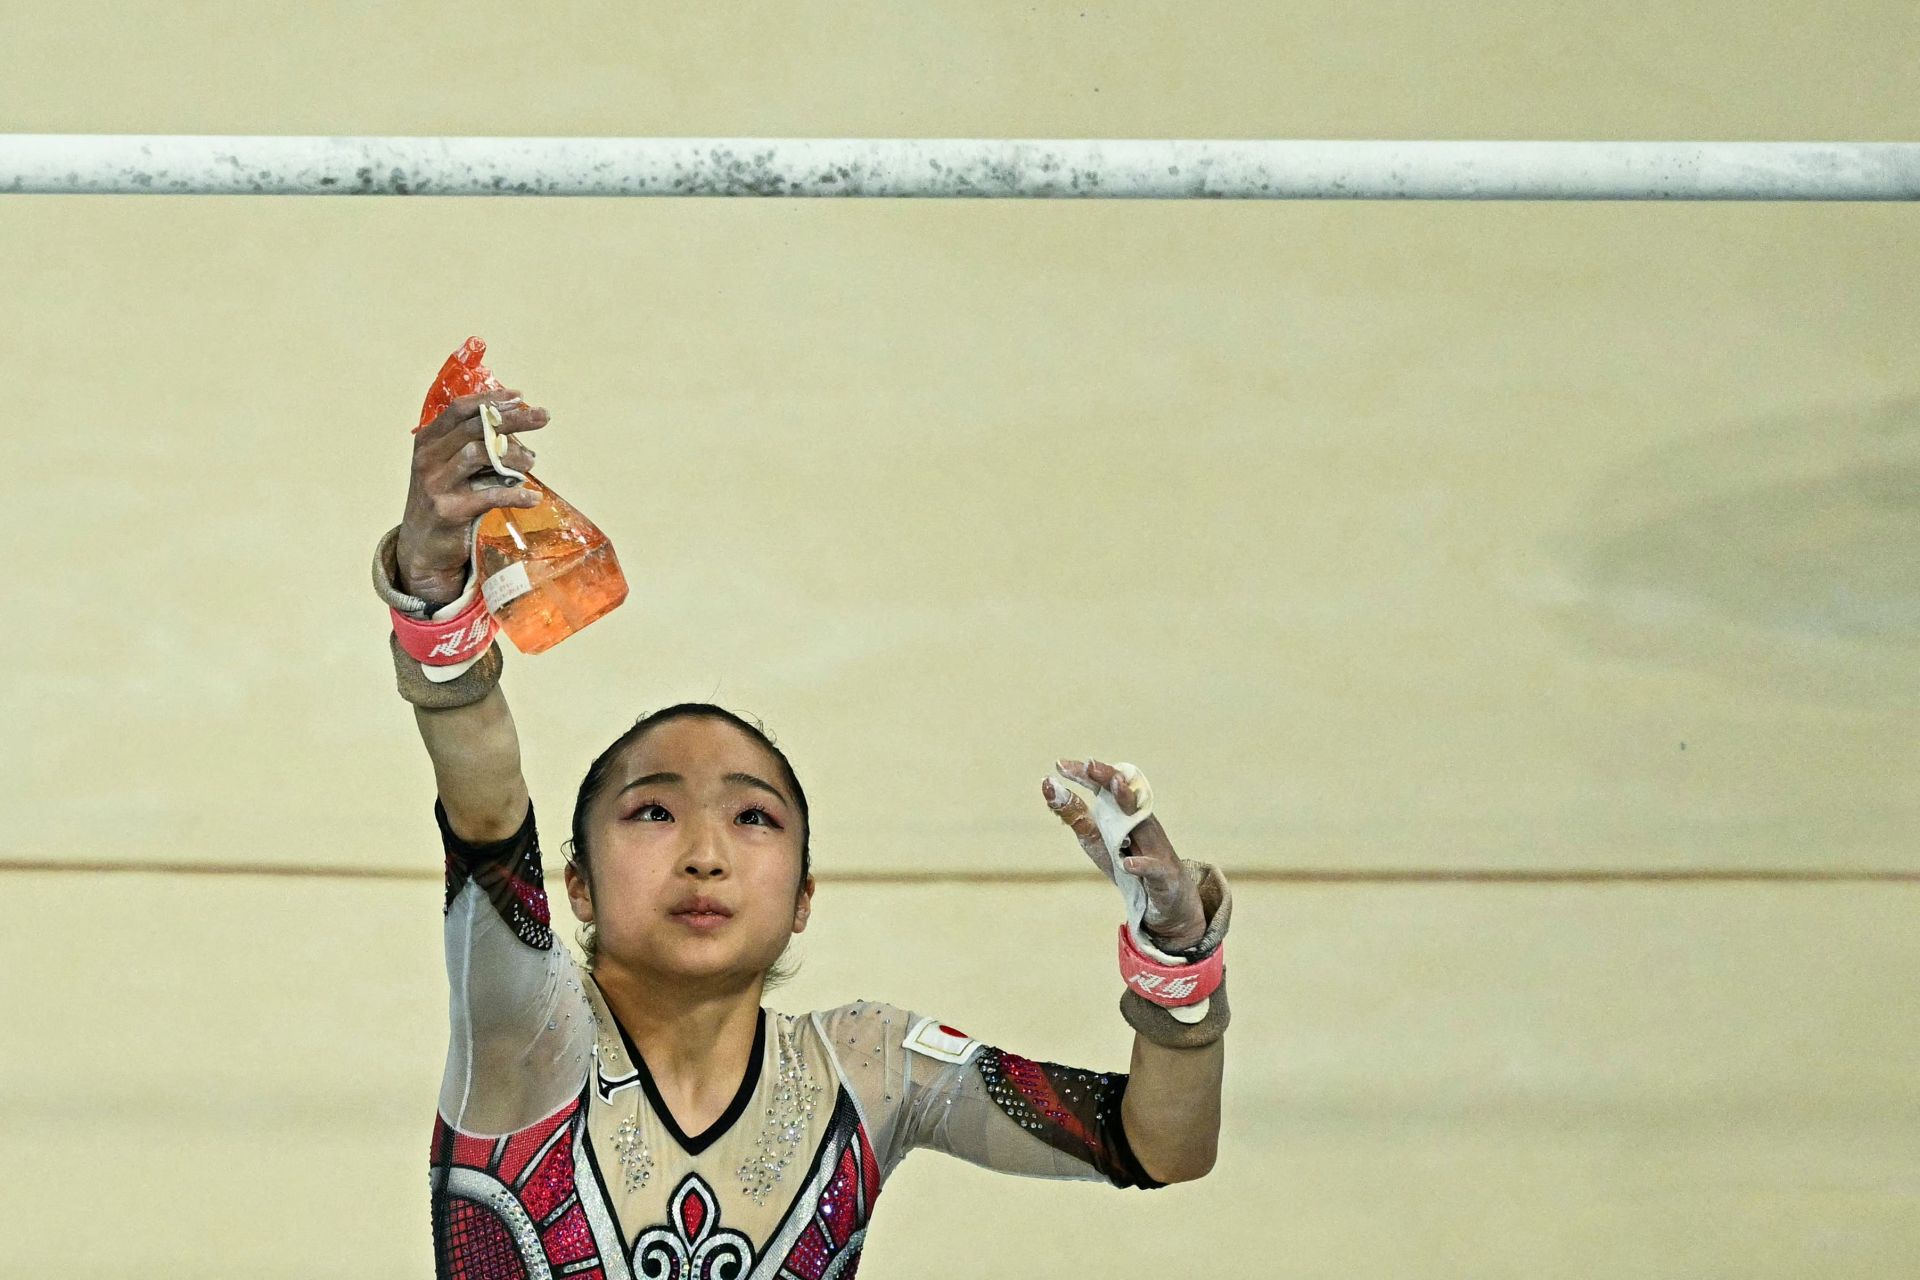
(469, 686)
(1161, 1027)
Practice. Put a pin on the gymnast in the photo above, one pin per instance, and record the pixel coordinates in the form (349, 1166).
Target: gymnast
(642, 1114)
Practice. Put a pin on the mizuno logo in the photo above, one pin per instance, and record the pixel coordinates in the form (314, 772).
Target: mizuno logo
(1169, 988)
(458, 643)
(607, 1088)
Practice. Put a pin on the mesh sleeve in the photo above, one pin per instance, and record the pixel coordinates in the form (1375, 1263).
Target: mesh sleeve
(922, 1084)
(521, 1033)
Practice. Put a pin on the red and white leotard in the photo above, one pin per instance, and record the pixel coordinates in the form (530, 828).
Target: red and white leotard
(553, 1155)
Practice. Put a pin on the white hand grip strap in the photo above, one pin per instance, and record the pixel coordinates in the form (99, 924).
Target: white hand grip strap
(1116, 826)
(496, 443)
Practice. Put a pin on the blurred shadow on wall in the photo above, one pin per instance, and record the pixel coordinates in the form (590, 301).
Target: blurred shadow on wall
(1784, 555)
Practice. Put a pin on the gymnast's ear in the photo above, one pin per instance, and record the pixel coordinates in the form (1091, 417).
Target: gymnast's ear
(803, 905)
(579, 894)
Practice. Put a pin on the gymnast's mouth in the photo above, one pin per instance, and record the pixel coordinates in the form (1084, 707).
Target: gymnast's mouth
(701, 913)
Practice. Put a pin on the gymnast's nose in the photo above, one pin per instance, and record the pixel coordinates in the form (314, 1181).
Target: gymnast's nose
(705, 859)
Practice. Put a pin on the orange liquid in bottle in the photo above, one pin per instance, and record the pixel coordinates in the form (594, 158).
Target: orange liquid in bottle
(549, 568)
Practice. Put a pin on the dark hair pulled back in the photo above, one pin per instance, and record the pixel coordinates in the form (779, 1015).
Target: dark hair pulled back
(600, 772)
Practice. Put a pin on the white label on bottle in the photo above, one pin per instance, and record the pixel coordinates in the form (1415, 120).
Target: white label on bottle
(506, 586)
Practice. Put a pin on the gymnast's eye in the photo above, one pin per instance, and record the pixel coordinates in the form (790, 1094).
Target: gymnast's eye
(640, 814)
(766, 819)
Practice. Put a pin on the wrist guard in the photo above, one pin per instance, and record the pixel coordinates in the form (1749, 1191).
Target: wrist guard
(1178, 979)
(443, 656)
(1181, 1002)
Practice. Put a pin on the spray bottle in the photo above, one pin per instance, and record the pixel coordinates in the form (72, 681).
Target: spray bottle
(545, 571)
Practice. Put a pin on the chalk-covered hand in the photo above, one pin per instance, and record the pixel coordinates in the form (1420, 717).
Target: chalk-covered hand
(442, 499)
(1173, 916)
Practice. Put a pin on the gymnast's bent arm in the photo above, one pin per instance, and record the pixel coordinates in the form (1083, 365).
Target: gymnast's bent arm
(928, 1085)
(1171, 1109)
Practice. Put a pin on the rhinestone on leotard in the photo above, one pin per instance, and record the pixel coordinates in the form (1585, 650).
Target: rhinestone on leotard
(796, 1094)
(636, 1162)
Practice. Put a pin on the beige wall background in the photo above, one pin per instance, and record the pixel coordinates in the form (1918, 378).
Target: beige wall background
(1398, 542)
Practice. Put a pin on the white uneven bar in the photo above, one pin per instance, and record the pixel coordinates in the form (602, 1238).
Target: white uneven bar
(1118, 168)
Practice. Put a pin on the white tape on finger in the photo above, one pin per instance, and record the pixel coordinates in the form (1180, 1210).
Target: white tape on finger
(1115, 823)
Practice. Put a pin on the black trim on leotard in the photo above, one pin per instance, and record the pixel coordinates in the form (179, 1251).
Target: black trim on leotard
(699, 1142)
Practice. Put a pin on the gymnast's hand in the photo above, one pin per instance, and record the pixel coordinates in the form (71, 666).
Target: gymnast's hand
(443, 498)
(1174, 916)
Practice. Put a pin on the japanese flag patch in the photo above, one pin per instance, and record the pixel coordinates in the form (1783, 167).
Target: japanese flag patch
(941, 1042)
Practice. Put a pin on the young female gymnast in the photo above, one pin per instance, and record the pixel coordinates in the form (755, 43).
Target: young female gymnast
(645, 1116)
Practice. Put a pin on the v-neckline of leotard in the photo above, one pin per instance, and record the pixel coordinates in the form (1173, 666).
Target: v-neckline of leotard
(699, 1142)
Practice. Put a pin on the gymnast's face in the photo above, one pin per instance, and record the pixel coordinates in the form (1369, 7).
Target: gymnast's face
(695, 855)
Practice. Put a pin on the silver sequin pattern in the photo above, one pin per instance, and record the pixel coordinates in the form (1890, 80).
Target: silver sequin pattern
(796, 1094)
(636, 1162)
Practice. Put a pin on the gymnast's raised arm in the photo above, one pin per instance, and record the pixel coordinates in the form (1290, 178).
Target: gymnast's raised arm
(521, 1031)
(475, 750)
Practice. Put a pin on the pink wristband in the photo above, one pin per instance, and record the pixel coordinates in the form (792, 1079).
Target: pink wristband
(442, 644)
(1170, 986)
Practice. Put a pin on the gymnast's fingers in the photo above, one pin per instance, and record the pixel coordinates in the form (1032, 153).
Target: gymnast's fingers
(457, 473)
(1164, 879)
(1072, 810)
(459, 426)
(458, 508)
(1101, 776)
(1149, 840)
(463, 410)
